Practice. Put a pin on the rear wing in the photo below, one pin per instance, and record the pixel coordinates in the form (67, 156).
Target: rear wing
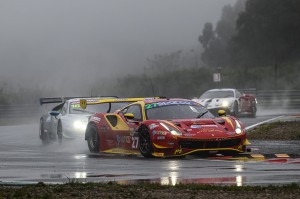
(63, 99)
(85, 102)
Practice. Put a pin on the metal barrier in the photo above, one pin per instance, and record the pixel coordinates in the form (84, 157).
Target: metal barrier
(19, 111)
(267, 99)
(276, 99)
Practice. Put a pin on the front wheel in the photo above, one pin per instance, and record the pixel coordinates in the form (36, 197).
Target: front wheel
(93, 138)
(59, 132)
(43, 136)
(145, 145)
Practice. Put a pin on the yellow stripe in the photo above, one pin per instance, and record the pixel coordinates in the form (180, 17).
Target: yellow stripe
(258, 156)
(229, 121)
(159, 147)
(282, 155)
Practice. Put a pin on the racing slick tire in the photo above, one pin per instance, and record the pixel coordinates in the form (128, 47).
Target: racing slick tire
(92, 138)
(235, 110)
(145, 145)
(253, 114)
(59, 132)
(43, 136)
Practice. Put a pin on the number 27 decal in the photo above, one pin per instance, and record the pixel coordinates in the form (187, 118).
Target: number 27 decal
(135, 142)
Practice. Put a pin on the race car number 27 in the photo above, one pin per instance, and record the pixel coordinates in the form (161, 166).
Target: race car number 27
(135, 142)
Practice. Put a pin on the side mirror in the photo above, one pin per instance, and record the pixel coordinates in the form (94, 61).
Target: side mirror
(129, 116)
(221, 113)
(54, 113)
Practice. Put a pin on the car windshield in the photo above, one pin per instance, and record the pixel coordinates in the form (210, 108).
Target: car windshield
(217, 94)
(176, 110)
(100, 108)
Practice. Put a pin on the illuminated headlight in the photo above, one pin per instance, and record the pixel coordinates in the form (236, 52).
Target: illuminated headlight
(79, 125)
(238, 128)
(172, 130)
(225, 104)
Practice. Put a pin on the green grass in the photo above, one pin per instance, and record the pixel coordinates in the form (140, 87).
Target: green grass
(276, 131)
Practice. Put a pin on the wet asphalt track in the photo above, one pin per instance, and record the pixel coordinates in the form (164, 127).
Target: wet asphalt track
(23, 159)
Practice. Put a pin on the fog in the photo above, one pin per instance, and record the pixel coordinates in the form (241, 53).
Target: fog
(62, 44)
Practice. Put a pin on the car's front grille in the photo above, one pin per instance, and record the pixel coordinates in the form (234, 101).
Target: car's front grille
(205, 144)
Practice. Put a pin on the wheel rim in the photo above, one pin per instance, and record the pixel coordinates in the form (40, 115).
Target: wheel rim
(144, 143)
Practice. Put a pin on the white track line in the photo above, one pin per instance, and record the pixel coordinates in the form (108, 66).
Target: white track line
(263, 122)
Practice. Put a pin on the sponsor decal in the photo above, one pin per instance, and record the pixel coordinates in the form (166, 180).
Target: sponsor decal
(123, 139)
(95, 119)
(153, 125)
(162, 132)
(154, 132)
(178, 151)
(171, 143)
(161, 137)
(230, 133)
(209, 125)
(189, 135)
(158, 154)
(135, 142)
(131, 131)
(168, 103)
(195, 126)
(104, 128)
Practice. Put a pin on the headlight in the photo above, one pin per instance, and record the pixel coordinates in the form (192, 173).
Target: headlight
(238, 128)
(225, 103)
(79, 125)
(172, 130)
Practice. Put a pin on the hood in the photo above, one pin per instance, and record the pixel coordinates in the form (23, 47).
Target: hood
(216, 102)
(207, 128)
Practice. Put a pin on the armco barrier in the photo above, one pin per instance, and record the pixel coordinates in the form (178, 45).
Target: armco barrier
(276, 99)
(267, 99)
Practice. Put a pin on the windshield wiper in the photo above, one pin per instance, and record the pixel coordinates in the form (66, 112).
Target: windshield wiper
(201, 114)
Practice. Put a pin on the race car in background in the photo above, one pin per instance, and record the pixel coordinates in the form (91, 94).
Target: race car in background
(68, 119)
(165, 128)
(231, 100)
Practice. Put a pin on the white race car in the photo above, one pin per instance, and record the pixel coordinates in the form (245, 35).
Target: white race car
(230, 100)
(68, 119)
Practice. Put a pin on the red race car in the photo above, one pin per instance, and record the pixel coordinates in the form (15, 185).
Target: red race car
(165, 128)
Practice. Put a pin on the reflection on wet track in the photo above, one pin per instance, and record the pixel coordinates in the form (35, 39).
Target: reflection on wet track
(23, 159)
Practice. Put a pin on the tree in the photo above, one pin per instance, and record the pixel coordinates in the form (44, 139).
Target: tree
(268, 33)
(215, 42)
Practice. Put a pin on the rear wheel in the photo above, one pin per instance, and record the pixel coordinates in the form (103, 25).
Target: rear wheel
(59, 132)
(145, 146)
(43, 136)
(93, 138)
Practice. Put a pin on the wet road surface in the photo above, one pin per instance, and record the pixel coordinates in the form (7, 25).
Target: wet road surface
(23, 159)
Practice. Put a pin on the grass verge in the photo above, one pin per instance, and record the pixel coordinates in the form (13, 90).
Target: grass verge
(114, 190)
(289, 130)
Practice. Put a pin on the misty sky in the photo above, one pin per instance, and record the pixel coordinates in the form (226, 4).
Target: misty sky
(65, 42)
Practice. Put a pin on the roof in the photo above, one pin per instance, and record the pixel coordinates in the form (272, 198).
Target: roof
(222, 89)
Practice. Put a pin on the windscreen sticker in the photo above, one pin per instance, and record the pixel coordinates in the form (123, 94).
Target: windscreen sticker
(168, 103)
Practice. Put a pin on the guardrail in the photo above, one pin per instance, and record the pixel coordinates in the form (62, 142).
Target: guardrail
(276, 99)
(267, 99)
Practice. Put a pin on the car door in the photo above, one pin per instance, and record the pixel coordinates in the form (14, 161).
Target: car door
(132, 140)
